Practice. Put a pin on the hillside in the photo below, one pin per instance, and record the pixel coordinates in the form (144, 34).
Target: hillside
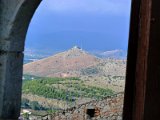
(114, 54)
(75, 63)
(62, 90)
(64, 64)
(70, 78)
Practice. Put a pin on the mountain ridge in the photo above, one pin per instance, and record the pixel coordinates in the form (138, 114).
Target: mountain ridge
(60, 64)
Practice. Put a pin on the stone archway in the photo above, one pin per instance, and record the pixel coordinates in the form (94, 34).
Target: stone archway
(15, 16)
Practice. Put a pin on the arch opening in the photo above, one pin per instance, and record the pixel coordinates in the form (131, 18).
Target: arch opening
(18, 34)
(89, 76)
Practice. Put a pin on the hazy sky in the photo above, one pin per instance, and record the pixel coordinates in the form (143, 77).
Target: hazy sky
(91, 24)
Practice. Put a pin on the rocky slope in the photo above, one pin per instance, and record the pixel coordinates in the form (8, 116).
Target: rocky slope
(75, 63)
(92, 72)
(64, 64)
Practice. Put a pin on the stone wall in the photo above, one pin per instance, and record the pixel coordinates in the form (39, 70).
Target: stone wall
(15, 16)
(110, 108)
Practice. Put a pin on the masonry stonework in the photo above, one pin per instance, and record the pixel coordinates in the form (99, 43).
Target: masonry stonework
(110, 108)
(15, 16)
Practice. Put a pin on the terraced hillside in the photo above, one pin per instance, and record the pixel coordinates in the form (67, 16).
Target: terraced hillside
(61, 93)
(78, 63)
(70, 78)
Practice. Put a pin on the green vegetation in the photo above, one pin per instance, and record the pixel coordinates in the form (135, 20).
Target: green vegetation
(34, 105)
(119, 77)
(66, 89)
(90, 71)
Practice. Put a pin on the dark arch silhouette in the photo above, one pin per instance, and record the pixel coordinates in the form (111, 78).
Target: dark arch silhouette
(15, 16)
